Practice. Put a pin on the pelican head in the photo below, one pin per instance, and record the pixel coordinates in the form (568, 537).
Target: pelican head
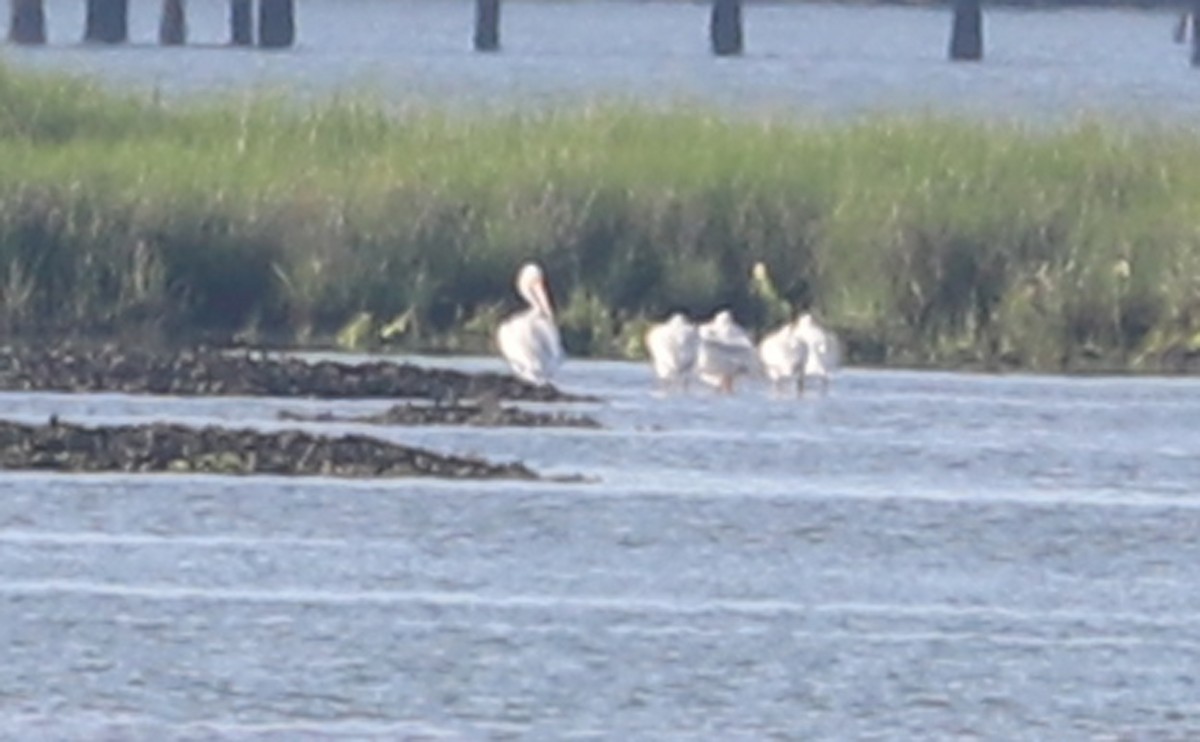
(531, 285)
(724, 318)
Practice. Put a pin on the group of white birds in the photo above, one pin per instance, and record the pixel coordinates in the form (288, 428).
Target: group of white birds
(720, 351)
(717, 352)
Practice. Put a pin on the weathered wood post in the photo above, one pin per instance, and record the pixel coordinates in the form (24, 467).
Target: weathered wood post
(276, 23)
(107, 21)
(1195, 20)
(487, 25)
(725, 27)
(27, 22)
(241, 22)
(966, 36)
(172, 30)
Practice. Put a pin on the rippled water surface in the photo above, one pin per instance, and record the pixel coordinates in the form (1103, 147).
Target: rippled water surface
(915, 555)
(812, 58)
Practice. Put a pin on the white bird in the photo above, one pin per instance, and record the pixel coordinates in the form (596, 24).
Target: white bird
(784, 356)
(673, 346)
(529, 340)
(823, 351)
(726, 352)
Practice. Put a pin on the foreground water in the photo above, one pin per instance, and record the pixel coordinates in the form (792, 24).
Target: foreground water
(912, 556)
(813, 58)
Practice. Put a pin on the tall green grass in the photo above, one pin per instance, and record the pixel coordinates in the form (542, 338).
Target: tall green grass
(924, 240)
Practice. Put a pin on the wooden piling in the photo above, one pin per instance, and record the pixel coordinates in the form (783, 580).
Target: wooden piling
(241, 22)
(107, 21)
(1195, 19)
(725, 27)
(27, 22)
(276, 23)
(487, 25)
(966, 35)
(172, 30)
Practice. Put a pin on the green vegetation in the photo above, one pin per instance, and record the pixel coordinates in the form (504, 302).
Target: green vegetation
(926, 241)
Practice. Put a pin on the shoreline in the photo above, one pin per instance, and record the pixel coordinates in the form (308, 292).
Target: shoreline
(926, 242)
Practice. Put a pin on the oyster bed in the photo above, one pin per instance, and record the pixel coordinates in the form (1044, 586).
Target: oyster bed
(161, 447)
(477, 415)
(110, 368)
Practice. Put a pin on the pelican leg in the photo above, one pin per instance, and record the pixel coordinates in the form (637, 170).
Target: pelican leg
(799, 385)
(726, 386)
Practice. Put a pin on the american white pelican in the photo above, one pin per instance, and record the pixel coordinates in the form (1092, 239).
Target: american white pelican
(784, 356)
(673, 346)
(823, 351)
(726, 352)
(529, 340)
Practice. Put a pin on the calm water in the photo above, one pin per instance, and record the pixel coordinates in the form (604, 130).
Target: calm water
(816, 59)
(914, 556)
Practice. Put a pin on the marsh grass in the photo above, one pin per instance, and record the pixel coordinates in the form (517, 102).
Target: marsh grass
(925, 240)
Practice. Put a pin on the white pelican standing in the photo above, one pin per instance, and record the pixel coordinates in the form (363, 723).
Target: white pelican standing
(529, 340)
(823, 351)
(784, 356)
(673, 346)
(726, 352)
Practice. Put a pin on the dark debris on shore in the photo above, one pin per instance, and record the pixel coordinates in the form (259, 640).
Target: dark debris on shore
(109, 368)
(159, 447)
(476, 415)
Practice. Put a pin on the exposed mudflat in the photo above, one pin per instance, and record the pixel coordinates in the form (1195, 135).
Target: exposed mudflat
(159, 447)
(108, 368)
(476, 415)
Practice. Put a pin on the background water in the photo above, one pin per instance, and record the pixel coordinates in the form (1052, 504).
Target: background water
(915, 555)
(814, 59)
